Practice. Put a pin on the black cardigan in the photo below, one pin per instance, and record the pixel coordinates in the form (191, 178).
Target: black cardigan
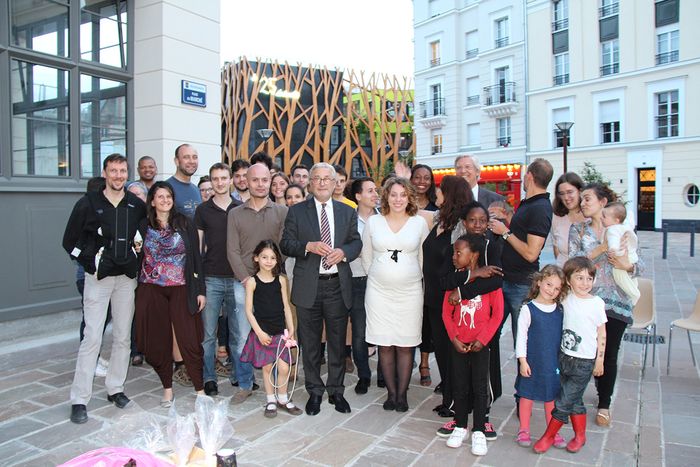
(194, 277)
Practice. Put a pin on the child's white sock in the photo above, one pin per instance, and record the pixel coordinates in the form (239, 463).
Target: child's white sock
(271, 399)
(283, 399)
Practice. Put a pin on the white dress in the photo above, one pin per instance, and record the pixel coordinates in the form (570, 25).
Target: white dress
(394, 296)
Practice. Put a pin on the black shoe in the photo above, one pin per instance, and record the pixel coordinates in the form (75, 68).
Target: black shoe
(211, 389)
(254, 388)
(438, 388)
(341, 405)
(313, 406)
(362, 386)
(443, 411)
(137, 360)
(119, 399)
(402, 404)
(381, 383)
(78, 413)
(389, 404)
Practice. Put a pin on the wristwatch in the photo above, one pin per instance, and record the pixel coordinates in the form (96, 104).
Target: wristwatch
(506, 234)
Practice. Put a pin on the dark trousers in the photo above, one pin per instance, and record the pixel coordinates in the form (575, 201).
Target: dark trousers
(426, 345)
(470, 374)
(614, 330)
(443, 351)
(574, 374)
(330, 309)
(358, 321)
(159, 310)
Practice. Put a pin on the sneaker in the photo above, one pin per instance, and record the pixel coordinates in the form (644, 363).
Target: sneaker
(101, 368)
(479, 445)
(524, 439)
(559, 442)
(241, 396)
(221, 369)
(457, 437)
(446, 430)
(490, 432)
(181, 377)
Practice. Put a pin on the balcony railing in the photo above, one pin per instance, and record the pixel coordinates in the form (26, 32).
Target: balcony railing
(560, 24)
(561, 79)
(435, 149)
(432, 108)
(501, 42)
(611, 69)
(435, 61)
(667, 57)
(503, 141)
(500, 93)
(609, 10)
(473, 100)
(471, 53)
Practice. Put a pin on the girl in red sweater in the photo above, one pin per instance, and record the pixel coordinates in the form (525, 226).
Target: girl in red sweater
(470, 326)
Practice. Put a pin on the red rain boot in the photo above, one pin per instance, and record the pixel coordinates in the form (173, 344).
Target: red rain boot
(578, 422)
(547, 439)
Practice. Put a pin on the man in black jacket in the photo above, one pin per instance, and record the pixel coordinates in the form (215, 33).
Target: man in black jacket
(100, 236)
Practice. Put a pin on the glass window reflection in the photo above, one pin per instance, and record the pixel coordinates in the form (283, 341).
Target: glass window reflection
(40, 25)
(103, 32)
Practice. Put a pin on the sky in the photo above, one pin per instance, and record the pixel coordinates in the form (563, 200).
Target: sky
(370, 35)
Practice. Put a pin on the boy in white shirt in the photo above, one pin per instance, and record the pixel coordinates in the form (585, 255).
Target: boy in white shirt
(614, 215)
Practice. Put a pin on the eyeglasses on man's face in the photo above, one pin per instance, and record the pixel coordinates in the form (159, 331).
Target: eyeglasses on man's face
(322, 180)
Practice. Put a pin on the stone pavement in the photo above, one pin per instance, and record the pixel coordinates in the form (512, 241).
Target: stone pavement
(656, 420)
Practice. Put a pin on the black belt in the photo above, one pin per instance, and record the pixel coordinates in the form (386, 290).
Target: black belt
(327, 277)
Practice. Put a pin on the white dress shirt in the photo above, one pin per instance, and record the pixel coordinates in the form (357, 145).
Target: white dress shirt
(475, 192)
(331, 223)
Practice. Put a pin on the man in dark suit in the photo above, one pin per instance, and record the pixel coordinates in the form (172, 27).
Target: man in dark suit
(468, 167)
(322, 235)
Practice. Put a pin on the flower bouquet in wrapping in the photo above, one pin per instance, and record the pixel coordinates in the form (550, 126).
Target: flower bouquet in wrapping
(181, 434)
(213, 423)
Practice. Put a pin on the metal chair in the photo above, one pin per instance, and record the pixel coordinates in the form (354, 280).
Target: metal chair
(644, 315)
(691, 323)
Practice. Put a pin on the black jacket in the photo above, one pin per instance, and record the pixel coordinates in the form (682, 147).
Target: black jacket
(491, 256)
(94, 224)
(194, 277)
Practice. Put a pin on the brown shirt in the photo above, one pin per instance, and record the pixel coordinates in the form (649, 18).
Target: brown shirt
(248, 227)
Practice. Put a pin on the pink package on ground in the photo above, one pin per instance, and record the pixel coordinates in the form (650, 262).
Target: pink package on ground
(116, 457)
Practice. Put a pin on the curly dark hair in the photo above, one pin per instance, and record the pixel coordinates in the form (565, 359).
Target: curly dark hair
(456, 194)
(572, 178)
(176, 219)
(547, 271)
(411, 208)
(601, 191)
(431, 190)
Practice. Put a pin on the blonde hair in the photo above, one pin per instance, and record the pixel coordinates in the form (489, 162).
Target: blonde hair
(547, 271)
(411, 208)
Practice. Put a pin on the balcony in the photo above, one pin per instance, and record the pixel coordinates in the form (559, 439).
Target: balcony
(609, 10)
(499, 100)
(473, 100)
(560, 79)
(435, 62)
(471, 53)
(560, 25)
(611, 69)
(667, 57)
(432, 113)
(501, 42)
(503, 142)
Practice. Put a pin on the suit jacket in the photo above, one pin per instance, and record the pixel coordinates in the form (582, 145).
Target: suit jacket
(302, 226)
(486, 197)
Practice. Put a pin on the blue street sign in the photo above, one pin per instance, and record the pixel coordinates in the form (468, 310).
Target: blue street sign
(194, 93)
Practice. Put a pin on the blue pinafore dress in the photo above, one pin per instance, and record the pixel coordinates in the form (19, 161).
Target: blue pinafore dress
(543, 341)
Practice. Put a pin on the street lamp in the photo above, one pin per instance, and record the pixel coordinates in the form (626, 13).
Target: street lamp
(564, 128)
(265, 134)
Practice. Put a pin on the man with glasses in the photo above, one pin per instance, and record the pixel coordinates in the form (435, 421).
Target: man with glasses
(322, 235)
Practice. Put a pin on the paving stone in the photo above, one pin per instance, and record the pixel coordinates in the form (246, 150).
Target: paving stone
(681, 429)
(411, 435)
(679, 455)
(379, 456)
(19, 427)
(374, 420)
(20, 379)
(337, 447)
(16, 452)
(617, 459)
(23, 392)
(59, 381)
(18, 409)
(62, 433)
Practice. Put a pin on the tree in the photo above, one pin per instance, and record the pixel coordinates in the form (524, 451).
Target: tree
(591, 175)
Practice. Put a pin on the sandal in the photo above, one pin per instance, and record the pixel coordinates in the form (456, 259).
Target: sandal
(425, 379)
(602, 419)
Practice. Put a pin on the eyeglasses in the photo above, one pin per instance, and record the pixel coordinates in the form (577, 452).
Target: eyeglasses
(567, 193)
(322, 181)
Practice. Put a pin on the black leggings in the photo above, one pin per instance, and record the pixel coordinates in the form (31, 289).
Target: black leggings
(397, 366)
(614, 330)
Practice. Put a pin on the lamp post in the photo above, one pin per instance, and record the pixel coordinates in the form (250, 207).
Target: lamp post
(265, 134)
(564, 127)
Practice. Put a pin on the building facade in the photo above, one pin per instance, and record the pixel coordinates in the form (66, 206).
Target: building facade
(79, 81)
(627, 74)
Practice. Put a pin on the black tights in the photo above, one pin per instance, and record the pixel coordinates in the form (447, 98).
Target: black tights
(397, 365)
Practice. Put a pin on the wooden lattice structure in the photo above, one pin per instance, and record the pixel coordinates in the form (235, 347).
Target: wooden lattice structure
(315, 114)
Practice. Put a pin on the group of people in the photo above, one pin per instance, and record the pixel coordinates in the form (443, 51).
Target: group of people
(252, 259)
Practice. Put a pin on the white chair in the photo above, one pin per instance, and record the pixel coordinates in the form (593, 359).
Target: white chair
(644, 315)
(691, 323)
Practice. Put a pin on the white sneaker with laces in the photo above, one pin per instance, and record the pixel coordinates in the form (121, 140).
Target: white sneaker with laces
(457, 437)
(101, 368)
(479, 446)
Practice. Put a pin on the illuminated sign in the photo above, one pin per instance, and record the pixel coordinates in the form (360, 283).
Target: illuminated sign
(269, 87)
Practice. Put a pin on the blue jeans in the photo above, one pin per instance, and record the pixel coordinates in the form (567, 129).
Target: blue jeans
(514, 295)
(358, 321)
(574, 373)
(220, 293)
(238, 330)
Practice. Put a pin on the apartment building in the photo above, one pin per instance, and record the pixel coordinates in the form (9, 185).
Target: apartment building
(470, 86)
(626, 74)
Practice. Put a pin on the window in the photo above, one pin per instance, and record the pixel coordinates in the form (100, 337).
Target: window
(608, 8)
(691, 195)
(471, 44)
(473, 90)
(501, 33)
(610, 60)
(561, 114)
(609, 116)
(41, 26)
(666, 12)
(435, 53)
(503, 127)
(667, 114)
(667, 47)
(436, 147)
(561, 15)
(103, 32)
(561, 69)
(610, 132)
(473, 134)
(432, 8)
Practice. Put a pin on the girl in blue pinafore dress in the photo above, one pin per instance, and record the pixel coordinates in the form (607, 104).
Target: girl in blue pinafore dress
(537, 347)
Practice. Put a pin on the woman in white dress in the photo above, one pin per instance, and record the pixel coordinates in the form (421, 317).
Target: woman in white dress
(392, 257)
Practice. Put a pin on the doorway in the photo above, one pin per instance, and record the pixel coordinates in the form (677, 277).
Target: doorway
(646, 198)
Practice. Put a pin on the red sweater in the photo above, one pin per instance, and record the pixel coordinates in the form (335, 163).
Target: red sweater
(475, 319)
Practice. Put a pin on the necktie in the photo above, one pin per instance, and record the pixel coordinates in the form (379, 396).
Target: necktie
(325, 233)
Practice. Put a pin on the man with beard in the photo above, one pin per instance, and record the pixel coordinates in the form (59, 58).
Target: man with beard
(187, 196)
(240, 182)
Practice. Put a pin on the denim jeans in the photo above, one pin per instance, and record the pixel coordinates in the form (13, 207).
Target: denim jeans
(220, 293)
(358, 320)
(238, 330)
(514, 296)
(574, 373)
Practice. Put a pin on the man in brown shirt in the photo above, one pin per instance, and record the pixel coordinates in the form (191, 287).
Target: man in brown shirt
(256, 220)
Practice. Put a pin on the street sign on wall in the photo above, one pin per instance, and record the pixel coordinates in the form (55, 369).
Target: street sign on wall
(194, 93)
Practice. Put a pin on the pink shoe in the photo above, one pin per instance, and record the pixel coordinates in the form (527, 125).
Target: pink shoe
(524, 439)
(559, 442)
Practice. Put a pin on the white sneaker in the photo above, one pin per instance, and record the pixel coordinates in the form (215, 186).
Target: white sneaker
(479, 446)
(457, 437)
(101, 368)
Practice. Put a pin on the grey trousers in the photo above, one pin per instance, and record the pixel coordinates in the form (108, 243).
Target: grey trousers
(98, 294)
